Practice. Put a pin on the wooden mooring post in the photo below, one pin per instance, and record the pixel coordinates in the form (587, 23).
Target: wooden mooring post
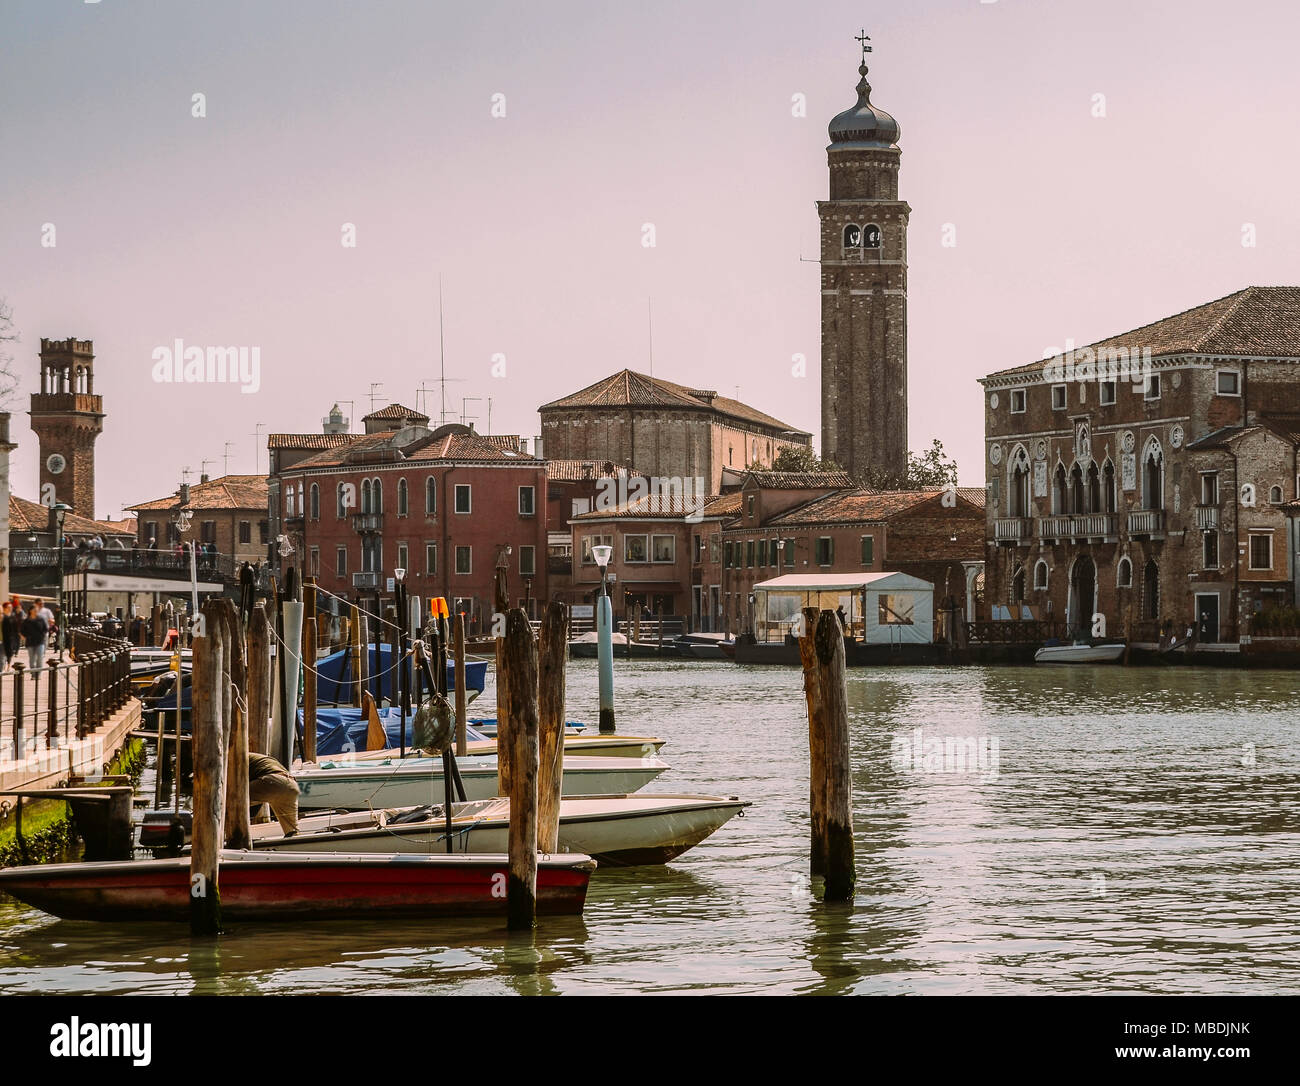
(830, 769)
(238, 831)
(518, 674)
(816, 745)
(552, 655)
(310, 632)
(357, 684)
(462, 697)
(259, 680)
(209, 781)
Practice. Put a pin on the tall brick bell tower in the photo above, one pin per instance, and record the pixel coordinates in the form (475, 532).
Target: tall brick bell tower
(864, 292)
(67, 416)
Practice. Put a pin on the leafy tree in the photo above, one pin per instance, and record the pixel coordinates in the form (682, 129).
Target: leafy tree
(925, 472)
(797, 458)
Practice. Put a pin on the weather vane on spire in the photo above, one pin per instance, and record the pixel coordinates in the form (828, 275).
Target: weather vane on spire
(862, 40)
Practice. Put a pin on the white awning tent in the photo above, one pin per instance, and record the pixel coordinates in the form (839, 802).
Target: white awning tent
(878, 608)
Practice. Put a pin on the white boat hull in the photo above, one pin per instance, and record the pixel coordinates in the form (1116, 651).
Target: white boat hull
(416, 781)
(620, 830)
(1079, 654)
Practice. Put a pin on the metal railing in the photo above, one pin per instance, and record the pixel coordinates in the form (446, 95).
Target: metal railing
(64, 699)
(1013, 632)
(136, 560)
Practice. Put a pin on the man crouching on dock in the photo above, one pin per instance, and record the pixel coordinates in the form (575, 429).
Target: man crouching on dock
(269, 782)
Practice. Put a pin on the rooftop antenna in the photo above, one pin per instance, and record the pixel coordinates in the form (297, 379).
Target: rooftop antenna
(257, 448)
(374, 385)
(186, 472)
(463, 401)
(489, 424)
(225, 466)
(442, 358)
(352, 410)
(203, 468)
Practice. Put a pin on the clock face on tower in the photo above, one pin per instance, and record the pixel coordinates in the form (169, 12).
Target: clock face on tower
(55, 463)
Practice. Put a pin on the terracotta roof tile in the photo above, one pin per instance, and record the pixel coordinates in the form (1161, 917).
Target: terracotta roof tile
(308, 441)
(1254, 321)
(800, 480)
(25, 516)
(576, 471)
(628, 388)
(394, 411)
(225, 492)
(856, 506)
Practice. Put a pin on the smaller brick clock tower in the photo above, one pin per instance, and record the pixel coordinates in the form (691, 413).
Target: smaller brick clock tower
(67, 416)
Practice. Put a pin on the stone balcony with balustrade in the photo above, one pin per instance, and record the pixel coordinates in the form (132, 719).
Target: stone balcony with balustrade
(1207, 517)
(1079, 526)
(1147, 522)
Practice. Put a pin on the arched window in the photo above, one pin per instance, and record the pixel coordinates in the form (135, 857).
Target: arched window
(1076, 490)
(1094, 489)
(853, 236)
(1275, 494)
(377, 496)
(871, 236)
(1108, 486)
(340, 504)
(1040, 574)
(1153, 476)
(1060, 494)
(401, 497)
(288, 500)
(1124, 574)
(315, 502)
(1018, 483)
(431, 495)
(365, 496)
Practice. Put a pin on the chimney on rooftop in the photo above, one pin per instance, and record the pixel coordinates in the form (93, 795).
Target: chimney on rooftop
(185, 493)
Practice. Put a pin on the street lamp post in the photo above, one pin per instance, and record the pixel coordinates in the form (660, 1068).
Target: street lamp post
(61, 510)
(605, 639)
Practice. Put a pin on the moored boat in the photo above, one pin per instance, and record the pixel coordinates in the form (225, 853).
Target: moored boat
(355, 784)
(294, 886)
(1079, 654)
(645, 828)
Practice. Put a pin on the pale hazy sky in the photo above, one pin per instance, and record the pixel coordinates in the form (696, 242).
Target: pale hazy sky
(225, 230)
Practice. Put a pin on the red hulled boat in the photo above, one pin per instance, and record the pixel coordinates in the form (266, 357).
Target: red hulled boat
(292, 886)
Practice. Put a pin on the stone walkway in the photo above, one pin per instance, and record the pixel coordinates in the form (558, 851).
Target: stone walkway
(35, 722)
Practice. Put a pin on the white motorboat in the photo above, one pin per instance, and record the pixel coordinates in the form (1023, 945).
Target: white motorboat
(1079, 654)
(359, 785)
(622, 830)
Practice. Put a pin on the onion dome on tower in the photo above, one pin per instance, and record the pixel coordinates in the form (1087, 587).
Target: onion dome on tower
(864, 125)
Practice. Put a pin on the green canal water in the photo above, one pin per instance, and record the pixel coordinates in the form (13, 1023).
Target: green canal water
(1127, 830)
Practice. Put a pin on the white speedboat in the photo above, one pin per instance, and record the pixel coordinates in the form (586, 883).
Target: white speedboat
(1079, 654)
(620, 830)
(360, 785)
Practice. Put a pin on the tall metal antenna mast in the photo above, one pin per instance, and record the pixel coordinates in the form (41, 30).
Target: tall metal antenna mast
(225, 466)
(442, 358)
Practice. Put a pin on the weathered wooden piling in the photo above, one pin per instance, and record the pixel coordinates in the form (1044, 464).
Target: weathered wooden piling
(354, 641)
(816, 745)
(238, 832)
(519, 674)
(209, 784)
(833, 716)
(553, 651)
(156, 623)
(310, 634)
(259, 680)
(462, 696)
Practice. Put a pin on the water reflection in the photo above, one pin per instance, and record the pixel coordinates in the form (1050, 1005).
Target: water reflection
(1141, 835)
